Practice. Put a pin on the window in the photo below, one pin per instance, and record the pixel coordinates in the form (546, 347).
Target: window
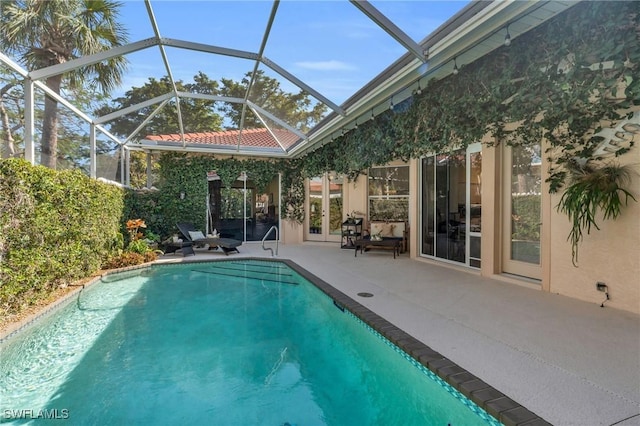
(389, 193)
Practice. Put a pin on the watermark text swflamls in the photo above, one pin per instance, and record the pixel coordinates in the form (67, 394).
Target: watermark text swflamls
(50, 414)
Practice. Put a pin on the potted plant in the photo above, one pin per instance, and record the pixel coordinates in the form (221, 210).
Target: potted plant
(354, 217)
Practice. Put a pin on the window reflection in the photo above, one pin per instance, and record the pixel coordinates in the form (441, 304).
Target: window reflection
(389, 193)
(526, 179)
(452, 206)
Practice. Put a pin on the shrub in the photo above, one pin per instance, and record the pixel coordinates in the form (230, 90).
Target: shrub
(150, 256)
(56, 227)
(138, 246)
(130, 258)
(125, 259)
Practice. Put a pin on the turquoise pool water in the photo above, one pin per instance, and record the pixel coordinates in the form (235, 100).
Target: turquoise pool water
(225, 343)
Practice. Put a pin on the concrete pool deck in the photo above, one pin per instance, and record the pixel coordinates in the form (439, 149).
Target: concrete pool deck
(569, 362)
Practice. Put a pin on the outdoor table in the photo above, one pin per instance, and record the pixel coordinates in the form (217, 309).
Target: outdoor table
(385, 243)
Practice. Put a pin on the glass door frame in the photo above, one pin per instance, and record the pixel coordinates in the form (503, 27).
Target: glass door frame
(325, 234)
(247, 232)
(471, 149)
(475, 148)
(509, 265)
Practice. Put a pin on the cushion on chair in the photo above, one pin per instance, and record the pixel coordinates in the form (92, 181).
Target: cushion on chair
(386, 229)
(196, 235)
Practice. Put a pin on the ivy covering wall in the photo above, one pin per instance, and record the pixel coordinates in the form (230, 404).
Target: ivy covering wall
(557, 82)
(187, 174)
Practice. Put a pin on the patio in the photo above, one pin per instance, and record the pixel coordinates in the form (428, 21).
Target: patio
(570, 362)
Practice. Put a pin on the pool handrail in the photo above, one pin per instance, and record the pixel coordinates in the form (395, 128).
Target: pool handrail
(274, 227)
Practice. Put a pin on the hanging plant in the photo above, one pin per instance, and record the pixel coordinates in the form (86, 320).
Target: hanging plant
(593, 189)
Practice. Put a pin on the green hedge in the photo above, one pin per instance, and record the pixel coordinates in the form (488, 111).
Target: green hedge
(55, 227)
(145, 205)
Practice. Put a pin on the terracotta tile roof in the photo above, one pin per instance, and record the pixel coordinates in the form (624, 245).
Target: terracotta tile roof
(260, 138)
(317, 187)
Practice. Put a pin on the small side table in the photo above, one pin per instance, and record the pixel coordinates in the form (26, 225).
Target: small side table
(391, 243)
(351, 231)
(173, 246)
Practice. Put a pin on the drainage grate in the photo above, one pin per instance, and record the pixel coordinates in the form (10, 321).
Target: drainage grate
(364, 294)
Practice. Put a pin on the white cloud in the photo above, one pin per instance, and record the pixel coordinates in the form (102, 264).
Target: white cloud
(332, 65)
(335, 89)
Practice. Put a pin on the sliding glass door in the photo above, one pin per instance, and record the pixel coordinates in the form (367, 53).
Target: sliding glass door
(452, 206)
(239, 211)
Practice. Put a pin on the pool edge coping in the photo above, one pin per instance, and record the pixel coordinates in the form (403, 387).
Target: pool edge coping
(495, 403)
(57, 304)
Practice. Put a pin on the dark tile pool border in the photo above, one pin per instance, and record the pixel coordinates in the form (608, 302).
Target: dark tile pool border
(494, 402)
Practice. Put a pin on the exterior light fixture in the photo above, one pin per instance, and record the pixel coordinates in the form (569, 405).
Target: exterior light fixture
(356, 126)
(372, 116)
(212, 175)
(419, 89)
(455, 67)
(507, 38)
(391, 103)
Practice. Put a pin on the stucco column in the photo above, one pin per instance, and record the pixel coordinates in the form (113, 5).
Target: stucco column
(491, 210)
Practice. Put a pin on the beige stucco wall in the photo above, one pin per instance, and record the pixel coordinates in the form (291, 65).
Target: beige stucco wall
(355, 197)
(291, 232)
(610, 255)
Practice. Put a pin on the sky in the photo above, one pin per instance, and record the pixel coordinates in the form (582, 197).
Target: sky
(330, 45)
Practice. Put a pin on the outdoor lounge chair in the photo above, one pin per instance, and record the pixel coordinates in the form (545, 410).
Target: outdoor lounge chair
(171, 246)
(199, 239)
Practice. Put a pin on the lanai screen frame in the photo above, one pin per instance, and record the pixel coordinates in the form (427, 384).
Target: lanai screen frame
(473, 32)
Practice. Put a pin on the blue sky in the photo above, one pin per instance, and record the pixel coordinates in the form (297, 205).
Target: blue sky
(330, 45)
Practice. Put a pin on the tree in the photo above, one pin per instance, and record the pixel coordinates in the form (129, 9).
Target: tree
(44, 33)
(295, 109)
(198, 115)
(10, 115)
(74, 149)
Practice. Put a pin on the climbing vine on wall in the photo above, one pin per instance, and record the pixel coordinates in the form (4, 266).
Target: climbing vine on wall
(292, 191)
(557, 82)
(187, 174)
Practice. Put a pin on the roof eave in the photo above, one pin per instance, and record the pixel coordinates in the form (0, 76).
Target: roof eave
(153, 145)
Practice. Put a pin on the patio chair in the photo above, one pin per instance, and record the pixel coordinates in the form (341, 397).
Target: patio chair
(196, 236)
(172, 246)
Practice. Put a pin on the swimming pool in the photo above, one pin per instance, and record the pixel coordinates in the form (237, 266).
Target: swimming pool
(232, 342)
